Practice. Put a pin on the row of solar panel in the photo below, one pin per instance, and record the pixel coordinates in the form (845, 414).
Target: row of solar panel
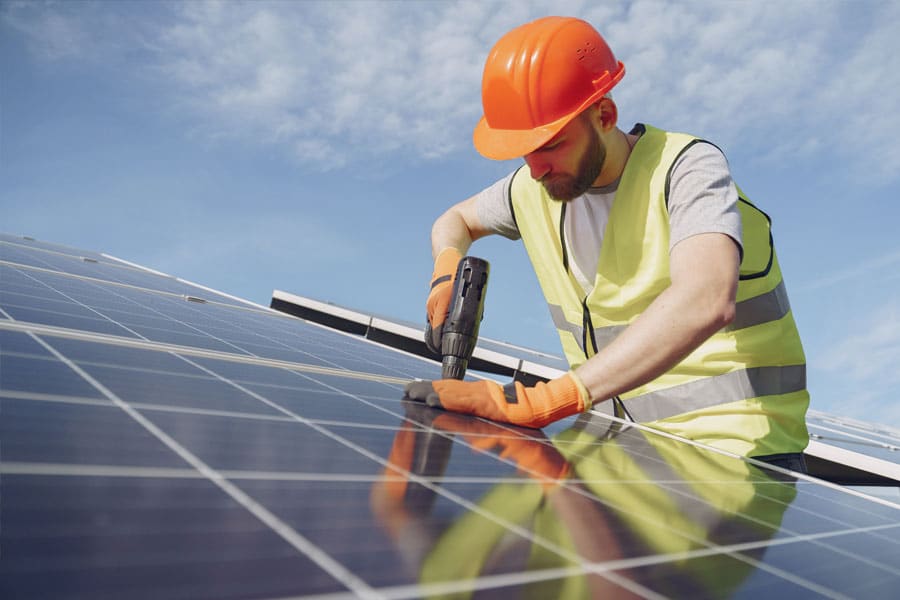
(152, 446)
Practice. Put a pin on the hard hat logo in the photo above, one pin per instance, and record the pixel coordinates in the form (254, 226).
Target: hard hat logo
(537, 78)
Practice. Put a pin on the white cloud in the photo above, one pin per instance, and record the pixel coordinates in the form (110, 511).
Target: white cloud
(51, 35)
(328, 80)
(348, 82)
(784, 79)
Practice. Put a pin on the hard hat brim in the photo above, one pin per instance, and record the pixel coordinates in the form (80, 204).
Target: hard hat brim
(506, 144)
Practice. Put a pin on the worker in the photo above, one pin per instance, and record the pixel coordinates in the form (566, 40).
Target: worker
(659, 273)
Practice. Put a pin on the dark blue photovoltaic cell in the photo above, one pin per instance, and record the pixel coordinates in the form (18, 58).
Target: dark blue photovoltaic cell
(118, 537)
(51, 432)
(207, 470)
(830, 570)
(338, 517)
(163, 319)
(20, 252)
(34, 246)
(264, 445)
(28, 367)
(329, 405)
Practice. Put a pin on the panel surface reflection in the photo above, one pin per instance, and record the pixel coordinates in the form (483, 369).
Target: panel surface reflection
(602, 508)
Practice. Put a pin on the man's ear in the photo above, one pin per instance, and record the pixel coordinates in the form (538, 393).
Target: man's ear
(607, 113)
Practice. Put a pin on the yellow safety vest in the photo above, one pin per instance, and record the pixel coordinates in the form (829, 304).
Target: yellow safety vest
(744, 389)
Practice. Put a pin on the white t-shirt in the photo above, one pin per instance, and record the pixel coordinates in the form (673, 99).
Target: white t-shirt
(702, 199)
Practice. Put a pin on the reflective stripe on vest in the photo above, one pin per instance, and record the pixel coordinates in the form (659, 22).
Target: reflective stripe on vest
(742, 384)
(770, 306)
(559, 320)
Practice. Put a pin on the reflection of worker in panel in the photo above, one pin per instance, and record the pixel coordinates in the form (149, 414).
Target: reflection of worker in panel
(660, 275)
(595, 495)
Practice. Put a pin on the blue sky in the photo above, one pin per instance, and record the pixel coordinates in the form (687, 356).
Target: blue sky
(308, 146)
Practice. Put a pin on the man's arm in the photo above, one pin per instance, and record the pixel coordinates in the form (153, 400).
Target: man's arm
(451, 235)
(457, 228)
(699, 302)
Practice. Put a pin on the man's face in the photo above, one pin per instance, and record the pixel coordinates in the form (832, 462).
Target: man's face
(569, 163)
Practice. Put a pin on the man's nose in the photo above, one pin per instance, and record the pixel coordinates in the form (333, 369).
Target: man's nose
(539, 167)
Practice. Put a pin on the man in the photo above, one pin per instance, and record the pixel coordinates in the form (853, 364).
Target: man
(659, 274)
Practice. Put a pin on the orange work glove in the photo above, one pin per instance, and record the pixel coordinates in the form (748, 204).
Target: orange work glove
(438, 305)
(513, 403)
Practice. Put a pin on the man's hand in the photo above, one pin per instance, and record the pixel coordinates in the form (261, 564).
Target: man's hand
(513, 403)
(438, 304)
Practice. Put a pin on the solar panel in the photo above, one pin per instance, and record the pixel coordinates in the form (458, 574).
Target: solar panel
(875, 440)
(841, 450)
(162, 440)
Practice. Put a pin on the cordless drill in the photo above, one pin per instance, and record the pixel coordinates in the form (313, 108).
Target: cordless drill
(460, 331)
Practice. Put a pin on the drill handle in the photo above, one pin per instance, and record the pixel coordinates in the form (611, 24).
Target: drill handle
(460, 332)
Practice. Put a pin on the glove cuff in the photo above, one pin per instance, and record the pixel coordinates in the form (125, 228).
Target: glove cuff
(568, 391)
(582, 391)
(446, 263)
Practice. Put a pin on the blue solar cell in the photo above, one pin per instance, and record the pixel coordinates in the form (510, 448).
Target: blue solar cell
(57, 432)
(26, 367)
(328, 405)
(13, 342)
(230, 443)
(142, 537)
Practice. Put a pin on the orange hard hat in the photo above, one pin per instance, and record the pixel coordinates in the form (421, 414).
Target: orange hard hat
(537, 78)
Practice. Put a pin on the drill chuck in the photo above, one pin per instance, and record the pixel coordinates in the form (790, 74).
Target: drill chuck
(456, 361)
(460, 332)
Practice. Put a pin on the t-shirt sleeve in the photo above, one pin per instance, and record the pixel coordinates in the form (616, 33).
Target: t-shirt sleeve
(494, 211)
(702, 196)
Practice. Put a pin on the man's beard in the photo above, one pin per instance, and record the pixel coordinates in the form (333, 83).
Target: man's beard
(569, 187)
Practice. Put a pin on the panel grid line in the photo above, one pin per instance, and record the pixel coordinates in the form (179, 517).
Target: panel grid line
(757, 463)
(70, 470)
(252, 307)
(279, 527)
(627, 584)
(454, 497)
(564, 553)
(108, 282)
(227, 391)
(141, 344)
(680, 491)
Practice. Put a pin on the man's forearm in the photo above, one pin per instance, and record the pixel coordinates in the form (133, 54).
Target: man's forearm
(697, 304)
(450, 231)
(457, 228)
(661, 337)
